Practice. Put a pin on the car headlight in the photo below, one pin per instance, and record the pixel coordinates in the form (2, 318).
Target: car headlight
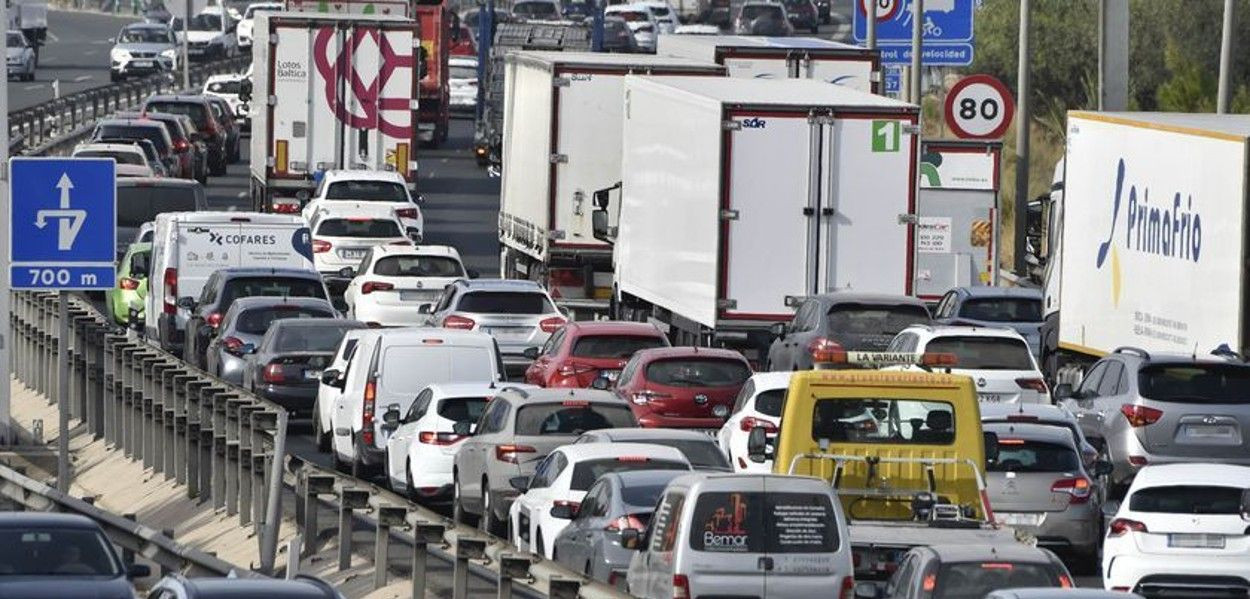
(119, 54)
(170, 53)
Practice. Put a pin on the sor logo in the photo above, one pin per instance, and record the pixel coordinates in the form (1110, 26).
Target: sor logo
(754, 123)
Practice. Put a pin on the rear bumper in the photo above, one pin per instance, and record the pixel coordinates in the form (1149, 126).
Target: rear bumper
(296, 400)
(1205, 576)
(1125, 445)
(652, 420)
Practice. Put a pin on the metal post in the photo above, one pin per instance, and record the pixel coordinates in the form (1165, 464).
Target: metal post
(273, 505)
(917, 50)
(1226, 56)
(1023, 118)
(5, 307)
(466, 549)
(871, 23)
(1113, 21)
(387, 518)
(345, 538)
(62, 392)
(596, 31)
(486, 38)
(186, 45)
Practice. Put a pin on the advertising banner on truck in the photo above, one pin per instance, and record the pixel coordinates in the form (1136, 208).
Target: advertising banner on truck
(351, 7)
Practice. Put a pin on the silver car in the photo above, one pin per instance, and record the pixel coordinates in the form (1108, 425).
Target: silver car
(700, 449)
(20, 57)
(143, 49)
(245, 324)
(1039, 484)
(1044, 414)
(1059, 593)
(960, 571)
(520, 315)
(1148, 408)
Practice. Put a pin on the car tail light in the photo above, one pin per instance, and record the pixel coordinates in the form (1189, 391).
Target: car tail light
(1078, 488)
(408, 213)
(1122, 526)
(930, 582)
(287, 208)
(433, 438)
(129, 284)
(1035, 384)
(626, 521)
(848, 588)
(575, 369)
(1138, 460)
(171, 290)
(458, 322)
(1139, 416)
(825, 350)
(232, 345)
(371, 286)
(549, 325)
(681, 587)
(366, 412)
(213, 319)
(181, 146)
(751, 422)
(1065, 582)
(633, 459)
(320, 246)
(512, 453)
(647, 395)
(615, 578)
(273, 373)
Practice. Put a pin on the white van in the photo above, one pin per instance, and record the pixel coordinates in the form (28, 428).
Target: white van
(187, 247)
(742, 535)
(387, 371)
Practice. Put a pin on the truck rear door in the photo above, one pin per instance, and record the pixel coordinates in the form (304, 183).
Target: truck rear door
(848, 71)
(802, 542)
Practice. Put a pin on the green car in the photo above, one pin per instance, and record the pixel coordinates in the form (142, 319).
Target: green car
(132, 283)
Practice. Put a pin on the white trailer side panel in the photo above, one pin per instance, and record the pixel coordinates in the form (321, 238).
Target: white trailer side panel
(1153, 235)
(855, 74)
(526, 158)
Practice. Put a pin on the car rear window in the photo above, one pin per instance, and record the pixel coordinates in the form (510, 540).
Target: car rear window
(770, 402)
(407, 369)
(119, 157)
(1002, 309)
(571, 418)
(534, 9)
(418, 266)
(153, 134)
(378, 191)
(973, 580)
(1195, 383)
(700, 454)
(633, 16)
(758, 10)
(231, 86)
(311, 339)
(257, 320)
(197, 111)
(60, 552)
(270, 287)
(463, 409)
(613, 346)
(642, 497)
(587, 472)
(892, 421)
(1187, 499)
(463, 72)
(364, 228)
(505, 302)
(139, 204)
(1022, 455)
(983, 353)
(871, 326)
(698, 372)
(775, 522)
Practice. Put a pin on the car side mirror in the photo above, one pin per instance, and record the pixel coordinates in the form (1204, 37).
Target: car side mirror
(530, 353)
(601, 383)
(631, 539)
(991, 446)
(330, 378)
(778, 329)
(563, 511)
(1245, 504)
(245, 90)
(424, 309)
(112, 40)
(187, 303)
(867, 590)
(138, 571)
(1063, 391)
(247, 349)
(1103, 468)
(463, 429)
(347, 272)
(473, 274)
(757, 444)
(599, 225)
(391, 416)
(520, 483)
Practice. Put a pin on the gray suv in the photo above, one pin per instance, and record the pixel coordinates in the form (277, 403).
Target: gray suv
(855, 321)
(520, 315)
(1163, 408)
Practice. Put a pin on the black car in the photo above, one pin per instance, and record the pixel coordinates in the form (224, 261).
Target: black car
(803, 14)
(45, 555)
(617, 36)
(842, 320)
(234, 131)
(140, 199)
(301, 587)
(825, 9)
(201, 112)
(115, 130)
(286, 366)
(225, 286)
(186, 138)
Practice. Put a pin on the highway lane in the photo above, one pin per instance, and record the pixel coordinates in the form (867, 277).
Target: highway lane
(76, 55)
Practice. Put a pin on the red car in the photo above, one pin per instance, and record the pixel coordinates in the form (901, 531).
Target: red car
(683, 387)
(462, 44)
(580, 352)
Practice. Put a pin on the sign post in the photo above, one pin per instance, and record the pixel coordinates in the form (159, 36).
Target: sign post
(65, 214)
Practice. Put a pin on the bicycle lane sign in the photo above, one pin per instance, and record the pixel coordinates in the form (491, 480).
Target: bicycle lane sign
(945, 21)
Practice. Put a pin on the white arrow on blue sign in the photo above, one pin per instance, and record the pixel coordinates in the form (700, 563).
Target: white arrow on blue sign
(64, 223)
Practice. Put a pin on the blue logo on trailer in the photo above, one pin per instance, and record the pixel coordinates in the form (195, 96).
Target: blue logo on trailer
(64, 223)
(947, 31)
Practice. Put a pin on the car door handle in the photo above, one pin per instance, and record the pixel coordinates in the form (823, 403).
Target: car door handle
(766, 564)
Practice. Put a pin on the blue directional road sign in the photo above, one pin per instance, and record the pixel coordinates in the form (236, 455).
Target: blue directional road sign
(64, 223)
(893, 80)
(944, 21)
(947, 55)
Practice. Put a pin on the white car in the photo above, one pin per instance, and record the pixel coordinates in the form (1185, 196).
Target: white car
(206, 39)
(358, 186)
(1181, 528)
(131, 161)
(998, 360)
(343, 236)
(20, 57)
(142, 49)
(328, 395)
(663, 13)
(227, 88)
(394, 282)
(758, 404)
(463, 82)
(550, 498)
(640, 20)
(248, 23)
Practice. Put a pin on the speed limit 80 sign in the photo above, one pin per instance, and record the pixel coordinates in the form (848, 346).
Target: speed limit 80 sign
(979, 107)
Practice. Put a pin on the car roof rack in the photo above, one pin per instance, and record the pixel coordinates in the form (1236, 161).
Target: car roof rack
(1128, 349)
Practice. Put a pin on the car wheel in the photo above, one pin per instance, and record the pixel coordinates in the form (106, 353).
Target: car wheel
(411, 489)
(323, 437)
(114, 77)
(489, 523)
(587, 570)
(538, 544)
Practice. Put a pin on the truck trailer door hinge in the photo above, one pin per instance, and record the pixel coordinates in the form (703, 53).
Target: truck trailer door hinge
(727, 304)
(272, 101)
(560, 81)
(729, 214)
(731, 125)
(819, 119)
(907, 219)
(875, 77)
(555, 234)
(559, 158)
(911, 129)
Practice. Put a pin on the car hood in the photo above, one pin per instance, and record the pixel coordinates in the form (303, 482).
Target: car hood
(144, 47)
(65, 588)
(16, 52)
(203, 36)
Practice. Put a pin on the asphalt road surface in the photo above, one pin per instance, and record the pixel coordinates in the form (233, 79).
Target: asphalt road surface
(76, 56)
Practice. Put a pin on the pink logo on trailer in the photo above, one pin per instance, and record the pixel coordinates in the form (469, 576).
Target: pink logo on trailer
(366, 93)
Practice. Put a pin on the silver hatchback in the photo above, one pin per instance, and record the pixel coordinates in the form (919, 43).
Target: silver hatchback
(246, 323)
(520, 315)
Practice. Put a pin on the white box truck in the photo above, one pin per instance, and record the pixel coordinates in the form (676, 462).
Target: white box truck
(1147, 238)
(331, 91)
(740, 196)
(187, 247)
(562, 143)
(759, 57)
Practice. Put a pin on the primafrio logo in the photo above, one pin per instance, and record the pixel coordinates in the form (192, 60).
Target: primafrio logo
(1170, 230)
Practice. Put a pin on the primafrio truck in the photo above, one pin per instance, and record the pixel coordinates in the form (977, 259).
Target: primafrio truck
(758, 57)
(740, 196)
(1147, 238)
(331, 91)
(562, 143)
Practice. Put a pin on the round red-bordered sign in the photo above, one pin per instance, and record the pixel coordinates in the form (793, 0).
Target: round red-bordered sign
(979, 107)
(886, 9)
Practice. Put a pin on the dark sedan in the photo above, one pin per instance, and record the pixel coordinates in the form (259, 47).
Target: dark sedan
(287, 365)
(45, 555)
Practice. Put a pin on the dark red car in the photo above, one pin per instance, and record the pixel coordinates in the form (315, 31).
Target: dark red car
(683, 387)
(580, 352)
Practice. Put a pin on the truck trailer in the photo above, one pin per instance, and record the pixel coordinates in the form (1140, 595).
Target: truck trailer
(561, 144)
(758, 57)
(739, 197)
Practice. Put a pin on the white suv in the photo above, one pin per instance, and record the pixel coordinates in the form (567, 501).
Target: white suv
(998, 360)
(759, 403)
(393, 282)
(360, 187)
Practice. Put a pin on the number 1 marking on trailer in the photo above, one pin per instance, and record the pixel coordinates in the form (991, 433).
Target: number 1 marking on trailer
(885, 136)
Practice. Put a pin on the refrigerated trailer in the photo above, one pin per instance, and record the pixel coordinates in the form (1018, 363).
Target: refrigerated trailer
(740, 196)
(758, 57)
(331, 91)
(562, 143)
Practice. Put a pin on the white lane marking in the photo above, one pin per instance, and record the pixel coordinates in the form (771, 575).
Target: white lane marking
(30, 87)
(53, 37)
(81, 78)
(231, 209)
(243, 194)
(87, 53)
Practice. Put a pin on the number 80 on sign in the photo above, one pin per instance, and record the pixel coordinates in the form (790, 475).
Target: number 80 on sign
(979, 107)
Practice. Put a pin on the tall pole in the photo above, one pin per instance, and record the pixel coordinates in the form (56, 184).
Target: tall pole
(1023, 118)
(1226, 56)
(596, 31)
(62, 393)
(871, 23)
(5, 338)
(186, 45)
(917, 51)
(1113, 20)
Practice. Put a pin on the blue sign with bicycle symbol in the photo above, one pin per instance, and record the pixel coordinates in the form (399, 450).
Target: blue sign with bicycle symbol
(946, 30)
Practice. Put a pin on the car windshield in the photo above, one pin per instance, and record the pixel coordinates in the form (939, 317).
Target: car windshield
(505, 302)
(321, 338)
(463, 409)
(973, 580)
(138, 204)
(257, 320)
(1187, 499)
(463, 72)
(660, 11)
(1023, 455)
(367, 191)
(1196, 383)
(884, 420)
(587, 472)
(198, 112)
(633, 16)
(32, 551)
(144, 35)
(151, 133)
(756, 11)
(206, 22)
(228, 87)
(271, 286)
(770, 402)
(117, 155)
(370, 228)
(535, 9)
(871, 326)
(773, 522)
(16, 40)
(700, 454)
(698, 372)
(418, 266)
(572, 417)
(983, 353)
(1002, 309)
(613, 346)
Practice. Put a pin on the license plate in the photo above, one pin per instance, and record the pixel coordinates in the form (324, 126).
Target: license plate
(991, 397)
(142, 63)
(352, 254)
(1018, 519)
(312, 374)
(418, 296)
(1210, 431)
(1196, 541)
(611, 375)
(507, 332)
